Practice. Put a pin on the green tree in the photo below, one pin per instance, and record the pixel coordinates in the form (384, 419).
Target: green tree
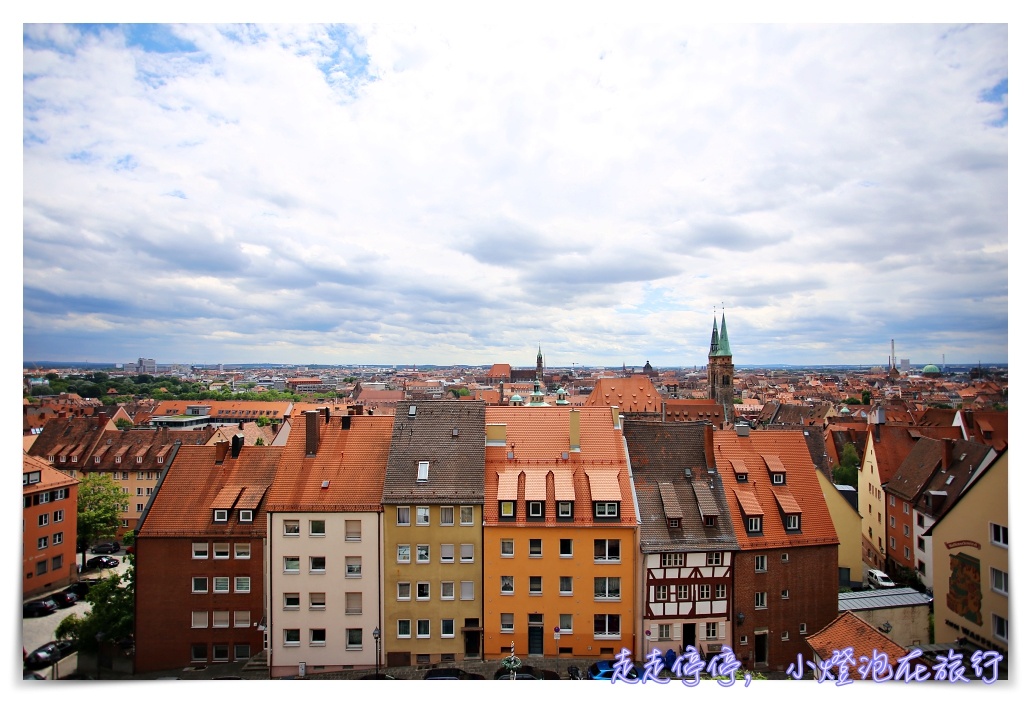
(101, 503)
(847, 472)
(867, 397)
(852, 401)
(459, 392)
(111, 615)
(123, 423)
(263, 421)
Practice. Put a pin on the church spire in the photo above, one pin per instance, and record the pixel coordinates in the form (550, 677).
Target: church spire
(724, 340)
(715, 337)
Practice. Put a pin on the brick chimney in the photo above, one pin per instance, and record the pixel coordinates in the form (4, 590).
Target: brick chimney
(947, 447)
(237, 444)
(221, 449)
(311, 432)
(709, 446)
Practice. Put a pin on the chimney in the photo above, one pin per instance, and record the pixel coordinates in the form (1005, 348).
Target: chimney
(325, 410)
(947, 446)
(241, 424)
(743, 429)
(237, 444)
(345, 422)
(709, 446)
(221, 448)
(574, 431)
(311, 432)
(360, 410)
(615, 418)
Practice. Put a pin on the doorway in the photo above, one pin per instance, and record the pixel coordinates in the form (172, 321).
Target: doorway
(472, 632)
(761, 649)
(690, 635)
(536, 634)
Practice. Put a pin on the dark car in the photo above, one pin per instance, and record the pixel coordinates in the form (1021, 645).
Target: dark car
(45, 655)
(605, 670)
(64, 598)
(451, 674)
(38, 608)
(526, 672)
(80, 588)
(106, 547)
(102, 562)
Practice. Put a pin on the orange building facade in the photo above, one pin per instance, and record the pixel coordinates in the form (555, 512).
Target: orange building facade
(49, 518)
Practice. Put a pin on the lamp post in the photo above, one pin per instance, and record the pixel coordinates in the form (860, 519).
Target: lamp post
(376, 635)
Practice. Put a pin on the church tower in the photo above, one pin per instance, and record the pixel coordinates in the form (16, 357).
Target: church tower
(539, 364)
(720, 370)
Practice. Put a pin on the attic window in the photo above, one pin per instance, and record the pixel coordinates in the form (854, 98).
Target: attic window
(674, 523)
(325, 484)
(778, 478)
(709, 520)
(741, 477)
(454, 431)
(246, 515)
(411, 410)
(221, 515)
(423, 471)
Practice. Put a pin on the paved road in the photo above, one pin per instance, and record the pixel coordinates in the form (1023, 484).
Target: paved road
(36, 631)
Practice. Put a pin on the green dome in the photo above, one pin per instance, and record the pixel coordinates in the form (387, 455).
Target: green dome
(931, 368)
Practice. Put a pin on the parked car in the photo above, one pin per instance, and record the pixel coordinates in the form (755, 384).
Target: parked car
(101, 562)
(38, 608)
(40, 658)
(64, 598)
(605, 670)
(451, 674)
(106, 547)
(526, 672)
(80, 588)
(878, 579)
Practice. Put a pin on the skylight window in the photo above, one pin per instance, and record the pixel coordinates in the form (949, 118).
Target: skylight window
(423, 471)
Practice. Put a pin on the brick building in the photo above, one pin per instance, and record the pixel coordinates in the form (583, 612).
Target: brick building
(49, 512)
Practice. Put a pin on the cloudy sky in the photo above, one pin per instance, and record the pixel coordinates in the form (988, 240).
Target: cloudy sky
(442, 192)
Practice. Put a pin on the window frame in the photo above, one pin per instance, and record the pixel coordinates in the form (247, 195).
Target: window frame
(406, 512)
(471, 511)
(443, 521)
(507, 584)
(312, 528)
(462, 550)
(197, 580)
(761, 600)
(422, 515)
(605, 595)
(291, 528)
(404, 553)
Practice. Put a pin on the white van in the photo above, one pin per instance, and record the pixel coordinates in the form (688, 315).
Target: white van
(877, 578)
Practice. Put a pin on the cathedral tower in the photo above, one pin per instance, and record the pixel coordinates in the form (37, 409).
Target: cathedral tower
(720, 370)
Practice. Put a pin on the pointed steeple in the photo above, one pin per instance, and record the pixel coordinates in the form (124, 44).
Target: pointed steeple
(715, 338)
(724, 340)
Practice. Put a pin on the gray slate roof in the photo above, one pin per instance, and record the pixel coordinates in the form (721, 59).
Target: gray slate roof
(886, 598)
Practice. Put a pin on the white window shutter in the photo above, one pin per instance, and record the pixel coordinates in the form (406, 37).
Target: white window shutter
(722, 630)
(675, 631)
(702, 632)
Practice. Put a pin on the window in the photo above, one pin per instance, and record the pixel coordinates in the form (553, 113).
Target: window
(1000, 627)
(760, 600)
(607, 625)
(507, 509)
(220, 619)
(712, 628)
(199, 620)
(565, 585)
(139, 493)
(139, 508)
(672, 560)
(536, 585)
(42, 542)
(198, 652)
(41, 567)
(241, 551)
(468, 590)
(199, 585)
(221, 551)
(565, 548)
(507, 548)
(316, 564)
(892, 504)
(404, 553)
(404, 591)
(446, 516)
(291, 527)
(353, 566)
(422, 630)
(468, 553)
(246, 515)
(241, 619)
(507, 621)
(404, 516)
(709, 520)
(565, 510)
(59, 515)
(778, 478)
(606, 550)
(743, 640)
(1000, 581)
(447, 590)
(220, 583)
(803, 628)
(606, 509)
(403, 628)
(784, 594)
(720, 592)
(714, 558)
(352, 603)
(535, 509)
(466, 515)
(892, 542)
(241, 584)
(422, 553)
(352, 530)
(793, 522)
(905, 530)
(316, 527)
(999, 536)
(507, 584)
(241, 652)
(421, 591)
(422, 516)
(43, 520)
(58, 538)
(535, 548)
(447, 553)
(891, 518)
(221, 515)
(661, 592)
(447, 628)
(607, 588)
(785, 636)
(291, 564)
(919, 520)
(754, 524)
(704, 592)
(423, 471)
(565, 623)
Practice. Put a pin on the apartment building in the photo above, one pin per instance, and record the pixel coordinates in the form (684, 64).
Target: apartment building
(49, 514)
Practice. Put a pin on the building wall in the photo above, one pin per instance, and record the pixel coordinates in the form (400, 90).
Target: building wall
(334, 648)
(581, 641)
(166, 630)
(810, 578)
(906, 626)
(901, 512)
(53, 565)
(965, 601)
(848, 525)
(436, 647)
(871, 510)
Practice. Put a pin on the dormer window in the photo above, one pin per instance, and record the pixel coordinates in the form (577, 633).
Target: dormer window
(139, 459)
(564, 510)
(605, 510)
(117, 459)
(50, 458)
(793, 522)
(741, 477)
(674, 523)
(536, 509)
(246, 515)
(96, 459)
(710, 520)
(221, 515)
(754, 525)
(778, 478)
(423, 471)
(507, 509)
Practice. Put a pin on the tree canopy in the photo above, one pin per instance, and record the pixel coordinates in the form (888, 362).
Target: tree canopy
(101, 503)
(847, 472)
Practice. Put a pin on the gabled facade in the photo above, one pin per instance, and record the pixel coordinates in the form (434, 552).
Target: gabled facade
(687, 543)
(200, 556)
(49, 517)
(971, 563)
(325, 540)
(785, 574)
(559, 534)
(432, 534)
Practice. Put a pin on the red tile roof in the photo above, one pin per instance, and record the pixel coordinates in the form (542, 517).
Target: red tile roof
(631, 395)
(848, 630)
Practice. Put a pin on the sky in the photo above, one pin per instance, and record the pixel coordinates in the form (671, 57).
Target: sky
(424, 191)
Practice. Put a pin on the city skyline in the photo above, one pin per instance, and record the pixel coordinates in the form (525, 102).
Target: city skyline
(405, 195)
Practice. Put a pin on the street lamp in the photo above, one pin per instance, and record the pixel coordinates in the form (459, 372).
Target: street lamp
(376, 635)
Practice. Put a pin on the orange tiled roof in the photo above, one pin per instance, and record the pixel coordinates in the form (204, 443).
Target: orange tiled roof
(848, 630)
(631, 395)
(49, 477)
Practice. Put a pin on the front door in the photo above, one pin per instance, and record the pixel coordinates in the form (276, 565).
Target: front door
(690, 635)
(761, 649)
(536, 640)
(472, 638)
